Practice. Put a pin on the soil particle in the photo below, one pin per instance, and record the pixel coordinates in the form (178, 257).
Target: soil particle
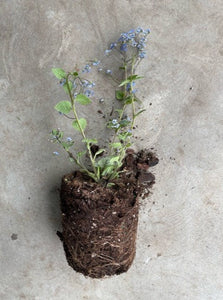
(14, 236)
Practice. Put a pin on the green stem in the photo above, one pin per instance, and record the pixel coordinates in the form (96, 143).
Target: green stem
(132, 96)
(80, 128)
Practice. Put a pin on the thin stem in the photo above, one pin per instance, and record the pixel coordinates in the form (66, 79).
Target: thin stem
(132, 96)
(79, 126)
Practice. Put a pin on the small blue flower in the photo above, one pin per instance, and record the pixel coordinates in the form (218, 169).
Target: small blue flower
(89, 93)
(55, 153)
(148, 30)
(142, 54)
(114, 122)
(75, 95)
(113, 45)
(86, 69)
(91, 85)
(107, 51)
(100, 69)
(124, 47)
(128, 87)
(96, 63)
(134, 43)
(69, 139)
(108, 72)
(139, 29)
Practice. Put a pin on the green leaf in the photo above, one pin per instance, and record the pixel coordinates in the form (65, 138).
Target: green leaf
(134, 77)
(65, 87)
(82, 122)
(129, 100)
(102, 162)
(59, 73)
(139, 112)
(82, 99)
(108, 170)
(124, 82)
(124, 135)
(119, 95)
(114, 159)
(75, 74)
(116, 145)
(110, 184)
(80, 154)
(119, 111)
(90, 141)
(63, 107)
(67, 145)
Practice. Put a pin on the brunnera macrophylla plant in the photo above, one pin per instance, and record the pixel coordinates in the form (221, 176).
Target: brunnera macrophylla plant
(105, 163)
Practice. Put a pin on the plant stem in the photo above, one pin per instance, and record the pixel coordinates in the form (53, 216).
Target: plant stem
(132, 96)
(80, 128)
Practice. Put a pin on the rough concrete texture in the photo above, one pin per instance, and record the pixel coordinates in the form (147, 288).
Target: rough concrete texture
(180, 242)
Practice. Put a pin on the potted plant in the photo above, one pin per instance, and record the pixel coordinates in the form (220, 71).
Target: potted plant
(100, 202)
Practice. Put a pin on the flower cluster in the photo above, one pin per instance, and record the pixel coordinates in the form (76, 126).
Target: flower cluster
(133, 38)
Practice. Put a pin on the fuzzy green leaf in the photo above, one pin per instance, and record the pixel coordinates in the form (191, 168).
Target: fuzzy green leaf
(90, 141)
(124, 82)
(119, 95)
(67, 145)
(82, 122)
(81, 153)
(108, 170)
(116, 145)
(82, 99)
(63, 107)
(134, 77)
(59, 73)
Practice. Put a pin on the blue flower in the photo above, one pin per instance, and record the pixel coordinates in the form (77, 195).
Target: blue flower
(128, 86)
(96, 63)
(139, 29)
(113, 45)
(55, 153)
(148, 30)
(69, 139)
(114, 122)
(86, 69)
(107, 51)
(89, 93)
(108, 71)
(124, 47)
(142, 54)
(91, 85)
(100, 69)
(134, 43)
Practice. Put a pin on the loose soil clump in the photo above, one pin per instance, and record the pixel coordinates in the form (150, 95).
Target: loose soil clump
(100, 223)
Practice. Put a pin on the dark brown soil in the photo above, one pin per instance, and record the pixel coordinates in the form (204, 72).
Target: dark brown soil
(100, 223)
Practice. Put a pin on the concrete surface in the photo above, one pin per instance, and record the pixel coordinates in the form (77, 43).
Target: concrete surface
(180, 241)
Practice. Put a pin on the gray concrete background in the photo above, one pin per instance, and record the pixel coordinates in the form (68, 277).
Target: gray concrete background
(180, 241)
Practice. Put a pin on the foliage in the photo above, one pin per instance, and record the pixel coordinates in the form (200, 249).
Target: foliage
(105, 163)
